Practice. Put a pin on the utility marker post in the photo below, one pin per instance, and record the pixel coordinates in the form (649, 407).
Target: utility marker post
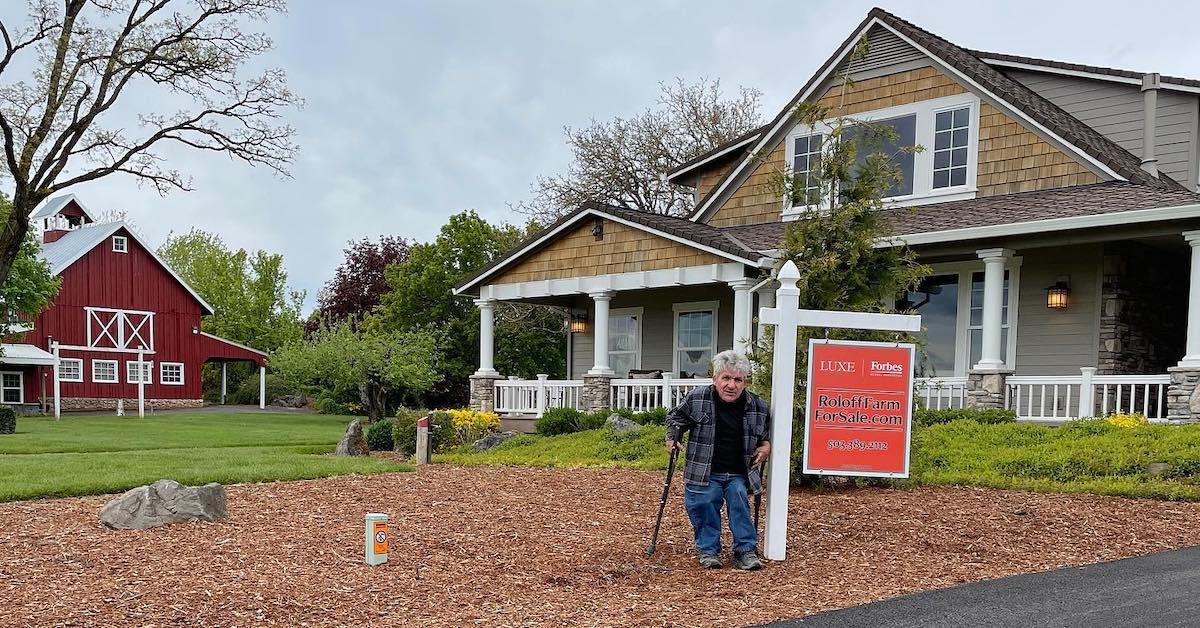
(787, 317)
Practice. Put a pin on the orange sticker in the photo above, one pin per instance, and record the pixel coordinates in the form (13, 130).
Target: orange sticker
(379, 537)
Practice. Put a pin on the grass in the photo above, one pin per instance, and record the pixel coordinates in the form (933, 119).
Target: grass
(84, 455)
(1083, 457)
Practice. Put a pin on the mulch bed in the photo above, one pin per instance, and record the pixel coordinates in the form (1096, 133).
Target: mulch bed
(513, 546)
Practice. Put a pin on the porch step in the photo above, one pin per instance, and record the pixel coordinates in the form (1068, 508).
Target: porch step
(524, 423)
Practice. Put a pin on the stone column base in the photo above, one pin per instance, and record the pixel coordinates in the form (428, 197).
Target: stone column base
(1183, 394)
(483, 392)
(987, 388)
(597, 392)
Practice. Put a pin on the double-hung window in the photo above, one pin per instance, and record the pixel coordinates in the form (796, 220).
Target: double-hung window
(70, 370)
(104, 372)
(12, 387)
(625, 340)
(131, 372)
(940, 166)
(695, 338)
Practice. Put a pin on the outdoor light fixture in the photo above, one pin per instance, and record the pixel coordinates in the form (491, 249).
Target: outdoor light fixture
(578, 323)
(1056, 295)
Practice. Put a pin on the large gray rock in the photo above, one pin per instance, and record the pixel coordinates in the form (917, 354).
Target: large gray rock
(165, 501)
(354, 442)
(290, 401)
(621, 425)
(491, 440)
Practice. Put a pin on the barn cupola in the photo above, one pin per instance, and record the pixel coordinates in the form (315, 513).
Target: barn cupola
(59, 216)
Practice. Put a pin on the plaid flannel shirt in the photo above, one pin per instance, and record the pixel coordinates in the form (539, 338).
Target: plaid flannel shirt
(697, 414)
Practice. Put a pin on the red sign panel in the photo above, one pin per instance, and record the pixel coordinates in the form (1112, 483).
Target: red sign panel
(859, 412)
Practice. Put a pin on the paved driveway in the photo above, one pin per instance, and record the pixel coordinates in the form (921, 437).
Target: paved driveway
(1160, 589)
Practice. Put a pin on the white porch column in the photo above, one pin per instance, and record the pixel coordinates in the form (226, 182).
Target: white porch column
(741, 314)
(600, 334)
(487, 337)
(141, 366)
(262, 388)
(57, 384)
(224, 382)
(994, 260)
(1192, 357)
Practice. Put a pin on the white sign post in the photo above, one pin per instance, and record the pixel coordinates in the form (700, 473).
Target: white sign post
(787, 317)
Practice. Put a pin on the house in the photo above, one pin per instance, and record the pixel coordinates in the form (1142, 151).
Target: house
(119, 306)
(1057, 204)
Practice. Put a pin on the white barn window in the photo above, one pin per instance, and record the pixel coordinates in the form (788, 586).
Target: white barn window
(171, 373)
(70, 370)
(120, 244)
(104, 372)
(131, 372)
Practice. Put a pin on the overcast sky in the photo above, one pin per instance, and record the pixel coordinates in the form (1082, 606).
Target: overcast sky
(418, 110)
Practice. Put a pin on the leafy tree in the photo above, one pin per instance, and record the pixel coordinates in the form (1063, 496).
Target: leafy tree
(61, 124)
(30, 287)
(370, 362)
(248, 291)
(530, 338)
(621, 162)
(359, 283)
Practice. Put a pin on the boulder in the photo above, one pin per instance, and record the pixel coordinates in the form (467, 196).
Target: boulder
(1158, 469)
(354, 442)
(290, 401)
(165, 501)
(621, 425)
(491, 440)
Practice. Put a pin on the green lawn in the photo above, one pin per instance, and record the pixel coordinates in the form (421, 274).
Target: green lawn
(83, 455)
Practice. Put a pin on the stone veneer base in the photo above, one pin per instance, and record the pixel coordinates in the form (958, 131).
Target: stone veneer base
(71, 404)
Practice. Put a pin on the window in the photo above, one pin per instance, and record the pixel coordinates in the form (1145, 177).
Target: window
(975, 326)
(12, 387)
(104, 371)
(952, 129)
(877, 140)
(131, 372)
(624, 340)
(936, 300)
(120, 244)
(70, 370)
(807, 160)
(171, 373)
(695, 338)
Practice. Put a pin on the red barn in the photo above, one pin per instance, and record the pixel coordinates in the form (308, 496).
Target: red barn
(119, 304)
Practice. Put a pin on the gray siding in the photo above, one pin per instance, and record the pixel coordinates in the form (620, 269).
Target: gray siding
(885, 51)
(1115, 110)
(658, 323)
(1058, 342)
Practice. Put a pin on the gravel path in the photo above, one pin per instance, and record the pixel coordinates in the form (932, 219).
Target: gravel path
(515, 546)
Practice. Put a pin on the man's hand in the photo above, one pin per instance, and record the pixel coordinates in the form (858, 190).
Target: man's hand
(672, 445)
(761, 454)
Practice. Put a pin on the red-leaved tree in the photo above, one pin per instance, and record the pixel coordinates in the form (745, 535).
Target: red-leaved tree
(359, 284)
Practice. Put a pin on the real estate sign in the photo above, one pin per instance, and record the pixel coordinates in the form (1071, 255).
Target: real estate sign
(859, 413)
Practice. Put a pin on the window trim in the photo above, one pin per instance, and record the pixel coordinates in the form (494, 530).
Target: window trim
(162, 367)
(20, 386)
(639, 312)
(116, 372)
(926, 111)
(124, 240)
(684, 308)
(962, 344)
(61, 360)
(149, 366)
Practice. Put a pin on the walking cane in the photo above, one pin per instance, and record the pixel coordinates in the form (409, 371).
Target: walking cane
(762, 479)
(662, 503)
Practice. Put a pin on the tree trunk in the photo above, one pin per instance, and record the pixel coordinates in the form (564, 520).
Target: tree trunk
(374, 400)
(12, 234)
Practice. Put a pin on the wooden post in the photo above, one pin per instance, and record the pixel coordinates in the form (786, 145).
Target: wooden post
(141, 367)
(57, 385)
(224, 381)
(541, 394)
(262, 388)
(423, 454)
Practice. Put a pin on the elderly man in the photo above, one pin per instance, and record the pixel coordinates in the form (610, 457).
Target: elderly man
(729, 428)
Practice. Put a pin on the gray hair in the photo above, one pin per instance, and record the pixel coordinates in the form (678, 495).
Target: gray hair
(730, 361)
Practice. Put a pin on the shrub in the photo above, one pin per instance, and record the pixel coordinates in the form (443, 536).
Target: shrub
(326, 405)
(404, 429)
(1127, 419)
(557, 421)
(8, 420)
(656, 416)
(247, 392)
(379, 435)
(987, 416)
(592, 420)
(471, 425)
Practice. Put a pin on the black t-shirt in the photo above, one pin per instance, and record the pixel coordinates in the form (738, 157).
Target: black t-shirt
(729, 449)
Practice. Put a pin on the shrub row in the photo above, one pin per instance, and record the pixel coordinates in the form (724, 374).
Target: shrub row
(988, 416)
(569, 420)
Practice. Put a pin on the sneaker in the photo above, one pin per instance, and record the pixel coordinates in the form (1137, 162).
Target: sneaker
(710, 561)
(747, 561)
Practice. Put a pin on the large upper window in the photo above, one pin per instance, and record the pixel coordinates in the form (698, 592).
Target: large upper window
(946, 130)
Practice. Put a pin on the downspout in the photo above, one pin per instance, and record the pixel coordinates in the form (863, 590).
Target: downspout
(1150, 84)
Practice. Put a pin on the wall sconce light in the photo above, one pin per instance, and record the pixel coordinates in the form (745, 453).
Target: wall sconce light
(1057, 295)
(578, 323)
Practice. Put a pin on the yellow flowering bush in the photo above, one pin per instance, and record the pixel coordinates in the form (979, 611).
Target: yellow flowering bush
(471, 425)
(1127, 419)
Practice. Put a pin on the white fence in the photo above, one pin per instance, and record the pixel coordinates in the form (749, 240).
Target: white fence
(526, 396)
(941, 393)
(641, 395)
(1057, 398)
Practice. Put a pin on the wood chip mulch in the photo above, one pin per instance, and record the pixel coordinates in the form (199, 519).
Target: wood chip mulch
(515, 547)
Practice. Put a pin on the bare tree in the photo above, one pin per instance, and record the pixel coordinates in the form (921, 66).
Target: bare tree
(622, 161)
(59, 124)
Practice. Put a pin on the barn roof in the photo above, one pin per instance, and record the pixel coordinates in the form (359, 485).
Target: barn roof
(54, 205)
(73, 245)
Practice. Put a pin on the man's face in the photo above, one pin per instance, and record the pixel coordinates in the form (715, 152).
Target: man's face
(730, 385)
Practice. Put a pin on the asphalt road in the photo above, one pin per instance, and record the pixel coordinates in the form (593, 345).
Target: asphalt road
(1160, 589)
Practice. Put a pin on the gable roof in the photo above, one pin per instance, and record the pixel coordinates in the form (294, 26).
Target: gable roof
(1128, 77)
(54, 205)
(1086, 143)
(76, 243)
(697, 235)
(727, 149)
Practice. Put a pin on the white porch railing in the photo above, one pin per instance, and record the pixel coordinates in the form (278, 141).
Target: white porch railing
(525, 396)
(1057, 398)
(941, 393)
(641, 395)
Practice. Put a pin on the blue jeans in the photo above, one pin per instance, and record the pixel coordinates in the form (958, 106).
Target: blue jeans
(703, 505)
